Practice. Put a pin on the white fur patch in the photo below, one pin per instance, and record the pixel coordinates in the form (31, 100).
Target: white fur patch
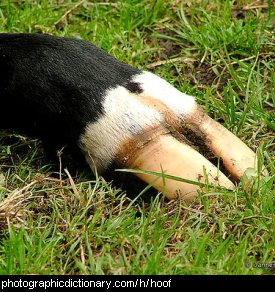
(124, 116)
(157, 88)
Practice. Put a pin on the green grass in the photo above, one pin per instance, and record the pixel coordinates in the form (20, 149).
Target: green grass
(83, 225)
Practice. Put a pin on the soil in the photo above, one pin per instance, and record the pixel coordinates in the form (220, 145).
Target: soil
(169, 48)
(202, 74)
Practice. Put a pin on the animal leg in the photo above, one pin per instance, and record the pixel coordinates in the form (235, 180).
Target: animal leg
(139, 132)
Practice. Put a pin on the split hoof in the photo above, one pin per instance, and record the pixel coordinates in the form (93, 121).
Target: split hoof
(174, 158)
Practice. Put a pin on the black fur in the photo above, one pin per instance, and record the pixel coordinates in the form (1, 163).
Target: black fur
(52, 87)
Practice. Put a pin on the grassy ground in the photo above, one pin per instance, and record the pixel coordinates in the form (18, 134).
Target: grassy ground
(62, 223)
